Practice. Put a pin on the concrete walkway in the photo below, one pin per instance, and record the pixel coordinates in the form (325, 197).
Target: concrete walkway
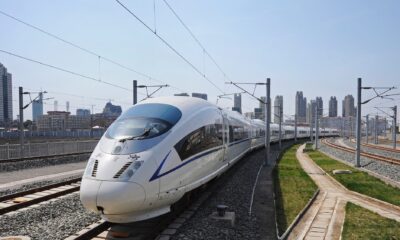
(325, 218)
(13, 178)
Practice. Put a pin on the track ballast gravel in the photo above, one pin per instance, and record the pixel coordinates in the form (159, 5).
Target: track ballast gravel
(385, 169)
(236, 194)
(51, 221)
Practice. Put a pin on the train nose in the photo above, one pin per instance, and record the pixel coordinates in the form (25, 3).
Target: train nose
(112, 197)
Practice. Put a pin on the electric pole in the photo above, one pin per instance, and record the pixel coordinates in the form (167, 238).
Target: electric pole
(367, 126)
(267, 120)
(21, 122)
(134, 92)
(394, 126)
(358, 128)
(295, 127)
(316, 127)
(376, 130)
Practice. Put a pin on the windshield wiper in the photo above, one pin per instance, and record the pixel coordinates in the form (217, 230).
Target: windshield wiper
(144, 134)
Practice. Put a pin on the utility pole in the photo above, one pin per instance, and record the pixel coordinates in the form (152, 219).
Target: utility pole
(311, 128)
(134, 92)
(366, 127)
(376, 130)
(295, 127)
(21, 122)
(267, 120)
(280, 126)
(394, 126)
(316, 126)
(358, 128)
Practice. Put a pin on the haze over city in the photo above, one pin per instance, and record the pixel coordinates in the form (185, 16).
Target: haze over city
(310, 46)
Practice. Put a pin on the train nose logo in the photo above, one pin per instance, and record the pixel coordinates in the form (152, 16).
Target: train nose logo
(134, 157)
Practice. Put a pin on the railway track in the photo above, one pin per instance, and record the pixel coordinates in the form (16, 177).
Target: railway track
(154, 228)
(364, 154)
(16, 201)
(378, 147)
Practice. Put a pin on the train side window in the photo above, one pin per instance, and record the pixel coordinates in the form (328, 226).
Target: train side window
(199, 140)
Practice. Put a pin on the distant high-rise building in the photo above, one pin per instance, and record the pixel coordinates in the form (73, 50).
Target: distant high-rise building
(258, 113)
(237, 102)
(82, 112)
(348, 109)
(37, 107)
(200, 95)
(301, 107)
(112, 110)
(333, 107)
(181, 94)
(320, 106)
(278, 108)
(311, 111)
(262, 107)
(67, 106)
(56, 106)
(6, 106)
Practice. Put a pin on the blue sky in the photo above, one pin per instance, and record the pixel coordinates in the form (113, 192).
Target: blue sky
(318, 47)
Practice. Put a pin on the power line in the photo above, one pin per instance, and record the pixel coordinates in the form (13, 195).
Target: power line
(85, 49)
(169, 45)
(65, 70)
(196, 39)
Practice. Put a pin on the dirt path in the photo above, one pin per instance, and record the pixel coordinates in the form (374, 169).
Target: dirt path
(325, 218)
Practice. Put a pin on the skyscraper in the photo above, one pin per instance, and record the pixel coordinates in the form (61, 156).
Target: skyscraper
(320, 106)
(311, 111)
(262, 107)
(37, 107)
(348, 106)
(237, 102)
(278, 107)
(332, 107)
(301, 107)
(6, 109)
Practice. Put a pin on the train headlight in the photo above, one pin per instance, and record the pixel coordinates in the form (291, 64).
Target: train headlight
(131, 170)
(89, 167)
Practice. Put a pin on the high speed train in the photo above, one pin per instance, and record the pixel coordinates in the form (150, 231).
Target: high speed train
(162, 148)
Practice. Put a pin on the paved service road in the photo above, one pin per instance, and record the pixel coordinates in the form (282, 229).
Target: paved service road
(325, 218)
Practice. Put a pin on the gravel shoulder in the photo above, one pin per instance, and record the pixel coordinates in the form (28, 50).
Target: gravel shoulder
(13, 176)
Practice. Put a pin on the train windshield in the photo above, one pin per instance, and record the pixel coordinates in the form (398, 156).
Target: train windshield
(144, 121)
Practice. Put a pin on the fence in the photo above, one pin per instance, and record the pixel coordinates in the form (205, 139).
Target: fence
(83, 133)
(14, 151)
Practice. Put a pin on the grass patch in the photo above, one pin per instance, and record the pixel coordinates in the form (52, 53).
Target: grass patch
(358, 181)
(361, 223)
(293, 188)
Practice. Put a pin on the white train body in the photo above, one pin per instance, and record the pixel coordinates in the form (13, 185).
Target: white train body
(162, 148)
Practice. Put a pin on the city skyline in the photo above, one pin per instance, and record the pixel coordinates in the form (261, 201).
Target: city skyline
(336, 46)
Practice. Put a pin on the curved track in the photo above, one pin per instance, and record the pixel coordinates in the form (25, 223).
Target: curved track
(379, 147)
(364, 154)
(16, 201)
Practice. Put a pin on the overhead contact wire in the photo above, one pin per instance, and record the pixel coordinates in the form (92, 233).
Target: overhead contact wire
(64, 70)
(84, 49)
(169, 46)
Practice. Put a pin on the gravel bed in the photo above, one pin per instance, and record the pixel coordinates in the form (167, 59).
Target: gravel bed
(374, 150)
(33, 185)
(385, 169)
(36, 163)
(52, 221)
(235, 192)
